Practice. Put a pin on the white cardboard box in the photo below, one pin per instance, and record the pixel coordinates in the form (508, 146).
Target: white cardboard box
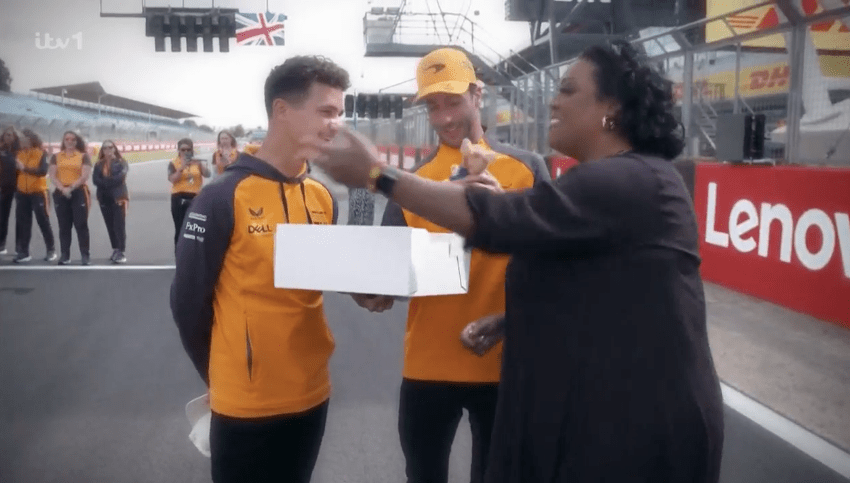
(397, 261)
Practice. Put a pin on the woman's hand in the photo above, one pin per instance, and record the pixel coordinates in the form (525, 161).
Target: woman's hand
(19, 165)
(483, 334)
(347, 159)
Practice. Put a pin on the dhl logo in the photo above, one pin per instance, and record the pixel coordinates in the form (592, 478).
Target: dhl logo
(830, 35)
(767, 17)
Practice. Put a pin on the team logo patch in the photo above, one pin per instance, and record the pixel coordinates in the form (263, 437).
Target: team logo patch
(256, 213)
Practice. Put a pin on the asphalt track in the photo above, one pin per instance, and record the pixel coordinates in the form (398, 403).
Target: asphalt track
(93, 379)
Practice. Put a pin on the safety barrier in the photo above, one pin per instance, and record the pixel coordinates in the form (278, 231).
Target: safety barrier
(778, 233)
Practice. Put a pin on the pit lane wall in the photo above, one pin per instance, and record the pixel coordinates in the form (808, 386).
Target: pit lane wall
(779, 233)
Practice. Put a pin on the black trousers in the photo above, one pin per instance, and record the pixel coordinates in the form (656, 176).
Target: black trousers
(73, 212)
(115, 216)
(275, 449)
(429, 413)
(27, 205)
(6, 197)
(180, 203)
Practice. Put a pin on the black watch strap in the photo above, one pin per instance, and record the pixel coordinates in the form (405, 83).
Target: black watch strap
(386, 181)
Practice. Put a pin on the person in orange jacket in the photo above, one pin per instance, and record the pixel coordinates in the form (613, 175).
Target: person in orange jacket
(226, 153)
(31, 198)
(186, 174)
(441, 377)
(69, 171)
(264, 352)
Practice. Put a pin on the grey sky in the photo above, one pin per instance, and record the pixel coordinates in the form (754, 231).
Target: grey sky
(222, 88)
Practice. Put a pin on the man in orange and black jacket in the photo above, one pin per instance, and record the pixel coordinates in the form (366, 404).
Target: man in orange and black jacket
(441, 377)
(262, 351)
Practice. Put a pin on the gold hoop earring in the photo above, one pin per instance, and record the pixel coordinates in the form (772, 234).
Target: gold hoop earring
(608, 123)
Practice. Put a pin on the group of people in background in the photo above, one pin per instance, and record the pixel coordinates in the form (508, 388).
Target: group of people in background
(25, 169)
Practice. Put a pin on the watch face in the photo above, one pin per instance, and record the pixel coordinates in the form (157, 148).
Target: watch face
(375, 172)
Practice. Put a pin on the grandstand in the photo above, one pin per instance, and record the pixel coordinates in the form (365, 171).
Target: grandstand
(95, 114)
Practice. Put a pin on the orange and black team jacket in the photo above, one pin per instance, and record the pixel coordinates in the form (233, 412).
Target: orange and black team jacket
(34, 179)
(190, 181)
(432, 348)
(69, 168)
(263, 351)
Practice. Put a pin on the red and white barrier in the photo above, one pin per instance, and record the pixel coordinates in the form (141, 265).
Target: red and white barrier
(778, 233)
(130, 146)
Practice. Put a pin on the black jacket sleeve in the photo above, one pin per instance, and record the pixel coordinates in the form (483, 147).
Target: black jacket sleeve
(116, 176)
(97, 175)
(594, 207)
(42, 166)
(204, 240)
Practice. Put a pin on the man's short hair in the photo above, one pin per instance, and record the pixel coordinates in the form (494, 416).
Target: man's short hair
(291, 80)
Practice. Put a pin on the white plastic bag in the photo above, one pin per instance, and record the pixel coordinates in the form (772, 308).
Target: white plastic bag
(199, 414)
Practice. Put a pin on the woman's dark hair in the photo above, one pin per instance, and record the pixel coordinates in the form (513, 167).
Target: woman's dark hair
(645, 97)
(16, 143)
(79, 143)
(186, 142)
(291, 80)
(35, 140)
(232, 138)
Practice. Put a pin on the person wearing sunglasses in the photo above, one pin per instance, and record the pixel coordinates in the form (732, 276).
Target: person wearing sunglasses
(110, 178)
(186, 174)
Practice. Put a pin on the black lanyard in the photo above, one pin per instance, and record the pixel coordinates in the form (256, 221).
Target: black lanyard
(286, 204)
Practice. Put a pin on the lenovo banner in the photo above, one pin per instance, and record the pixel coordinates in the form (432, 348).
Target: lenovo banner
(778, 233)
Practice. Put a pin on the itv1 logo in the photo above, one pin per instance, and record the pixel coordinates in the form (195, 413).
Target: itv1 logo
(48, 42)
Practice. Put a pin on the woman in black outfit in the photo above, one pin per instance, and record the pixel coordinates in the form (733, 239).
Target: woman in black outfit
(10, 144)
(606, 371)
(110, 177)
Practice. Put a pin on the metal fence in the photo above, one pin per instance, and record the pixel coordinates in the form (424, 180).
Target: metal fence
(781, 58)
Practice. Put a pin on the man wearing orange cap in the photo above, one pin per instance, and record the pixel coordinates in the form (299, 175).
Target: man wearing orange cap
(441, 377)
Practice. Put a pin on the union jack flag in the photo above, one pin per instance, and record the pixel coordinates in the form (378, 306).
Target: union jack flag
(259, 28)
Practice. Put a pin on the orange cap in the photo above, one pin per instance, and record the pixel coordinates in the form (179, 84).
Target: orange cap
(444, 70)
